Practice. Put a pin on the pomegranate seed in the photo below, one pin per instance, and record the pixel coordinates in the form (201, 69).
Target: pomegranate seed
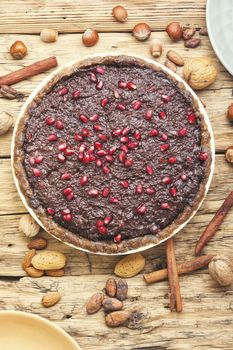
(62, 147)
(86, 159)
(124, 148)
(50, 121)
(99, 85)
(131, 86)
(167, 180)
(65, 211)
(63, 91)
(182, 132)
(164, 137)
(52, 137)
(85, 132)
(203, 156)
(107, 219)
(149, 114)
(82, 147)
(98, 145)
(101, 153)
(59, 125)
(83, 180)
(132, 145)
(50, 211)
(124, 183)
(162, 115)
(97, 127)
(83, 118)
(103, 137)
(124, 139)
(76, 94)
(65, 176)
(139, 189)
(109, 158)
(94, 118)
(93, 77)
(128, 163)
(36, 172)
(184, 177)
(32, 161)
(67, 191)
(118, 238)
(112, 150)
(98, 162)
(149, 170)
(121, 107)
(93, 193)
(106, 169)
(61, 158)
(78, 137)
(137, 135)
(191, 118)
(164, 147)
(153, 132)
(69, 152)
(172, 160)
(150, 190)
(116, 94)
(70, 196)
(91, 150)
(173, 191)
(113, 200)
(116, 132)
(125, 131)
(39, 159)
(100, 70)
(99, 223)
(92, 158)
(162, 160)
(102, 230)
(105, 192)
(67, 217)
(165, 206)
(166, 98)
(136, 105)
(104, 101)
(141, 209)
(122, 84)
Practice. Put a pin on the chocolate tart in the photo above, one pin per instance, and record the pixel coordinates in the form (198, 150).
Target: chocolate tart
(113, 154)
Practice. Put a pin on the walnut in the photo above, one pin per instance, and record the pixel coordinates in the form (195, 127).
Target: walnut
(199, 72)
(221, 270)
(5, 122)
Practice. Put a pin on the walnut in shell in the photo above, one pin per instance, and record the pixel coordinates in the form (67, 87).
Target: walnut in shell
(199, 72)
(221, 270)
(28, 226)
(5, 122)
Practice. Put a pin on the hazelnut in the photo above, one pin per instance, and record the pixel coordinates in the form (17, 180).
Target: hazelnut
(229, 154)
(5, 122)
(142, 31)
(156, 49)
(18, 50)
(220, 269)
(230, 113)
(28, 226)
(120, 13)
(175, 31)
(49, 35)
(90, 37)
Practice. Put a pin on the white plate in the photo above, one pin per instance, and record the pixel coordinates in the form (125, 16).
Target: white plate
(219, 18)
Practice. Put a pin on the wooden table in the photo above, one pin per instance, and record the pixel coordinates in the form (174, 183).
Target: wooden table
(207, 320)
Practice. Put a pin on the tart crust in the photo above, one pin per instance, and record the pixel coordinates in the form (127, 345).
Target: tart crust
(106, 247)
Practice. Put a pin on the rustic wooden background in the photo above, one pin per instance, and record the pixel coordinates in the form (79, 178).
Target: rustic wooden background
(207, 320)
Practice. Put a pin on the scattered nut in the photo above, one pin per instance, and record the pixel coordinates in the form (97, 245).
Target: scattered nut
(32, 272)
(120, 13)
(5, 122)
(170, 65)
(188, 33)
(37, 243)
(229, 154)
(192, 43)
(199, 72)
(156, 49)
(27, 260)
(28, 226)
(175, 31)
(203, 31)
(49, 260)
(10, 93)
(175, 58)
(142, 31)
(90, 37)
(18, 50)
(55, 273)
(130, 265)
(221, 270)
(117, 318)
(122, 290)
(95, 303)
(51, 299)
(112, 304)
(229, 113)
(49, 35)
(111, 287)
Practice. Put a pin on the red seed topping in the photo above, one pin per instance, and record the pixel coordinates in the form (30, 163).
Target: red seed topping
(61, 158)
(107, 219)
(128, 163)
(70, 196)
(86, 159)
(91, 150)
(121, 107)
(166, 98)
(85, 132)
(104, 101)
(106, 169)
(141, 209)
(82, 147)
(139, 189)
(94, 118)
(172, 160)
(59, 125)
(99, 223)
(203, 156)
(52, 137)
(148, 115)
(50, 121)
(124, 148)
(100, 70)
(112, 150)
(67, 217)
(93, 77)
(62, 147)
(117, 132)
(101, 153)
(63, 91)
(76, 94)
(65, 211)
(36, 172)
(78, 137)
(118, 238)
(162, 115)
(97, 127)
(50, 211)
(109, 158)
(93, 193)
(136, 105)
(98, 145)
(39, 159)
(32, 161)
(65, 176)
(150, 190)
(69, 152)
(122, 84)
(165, 206)
(149, 170)
(83, 118)
(164, 137)
(113, 200)
(83, 180)
(132, 145)
(125, 130)
(105, 192)
(167, 180)
(137, 135)
(164, 147)
(182, 132)
(102, 230)
(99, 85)
(184, 177)
(173, 191)
(98, 162)
(124, 139)
(153, 132)
(103, 137)
(124, 183)
(191, 118)
(131, 86)
(67, 191)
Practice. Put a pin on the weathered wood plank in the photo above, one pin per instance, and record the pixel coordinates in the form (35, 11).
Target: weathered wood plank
(31, 16)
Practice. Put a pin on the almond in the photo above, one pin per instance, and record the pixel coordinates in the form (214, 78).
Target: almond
(117, 318)
(27, 260)
(28, 226)
(175, 58)
(111, 287)
(170, 65)
(37, 243)
(122, 290)
(49, 260)
(130, 265)
(32, 272)
(51, 299)
(55, 273)
(112, 304)
(94, 303)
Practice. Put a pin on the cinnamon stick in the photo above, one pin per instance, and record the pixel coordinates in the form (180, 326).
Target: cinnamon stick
(175, 296)
(214, 224)
(184, 267)
(28, 71)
